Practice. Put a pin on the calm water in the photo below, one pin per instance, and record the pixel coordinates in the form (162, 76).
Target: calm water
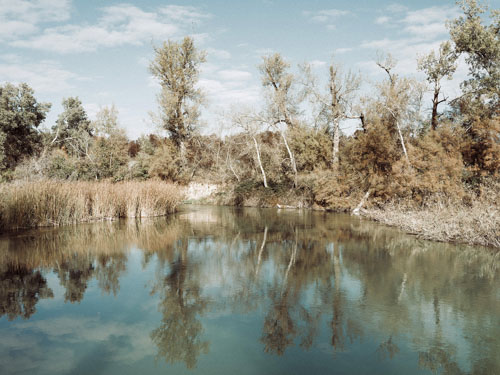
(245, 291)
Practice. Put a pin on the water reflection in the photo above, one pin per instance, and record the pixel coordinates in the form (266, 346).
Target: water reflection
(20, 289)
(178, 337)
(305, 278)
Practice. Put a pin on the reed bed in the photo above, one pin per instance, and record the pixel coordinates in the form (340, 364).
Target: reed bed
(54, 203)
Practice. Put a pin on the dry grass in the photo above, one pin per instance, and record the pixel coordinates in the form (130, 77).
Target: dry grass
(477, 223)
(53, 203)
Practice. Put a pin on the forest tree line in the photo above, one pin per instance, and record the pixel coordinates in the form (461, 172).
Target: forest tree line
(398, 152)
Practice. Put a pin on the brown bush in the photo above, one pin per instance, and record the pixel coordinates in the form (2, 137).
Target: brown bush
(480, 148)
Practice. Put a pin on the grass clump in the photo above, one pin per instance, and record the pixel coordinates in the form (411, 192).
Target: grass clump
(54, 203)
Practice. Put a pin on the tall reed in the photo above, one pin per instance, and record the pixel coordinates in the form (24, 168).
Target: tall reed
(53, 203)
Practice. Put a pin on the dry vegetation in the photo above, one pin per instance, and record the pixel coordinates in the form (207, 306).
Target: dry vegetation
(53, 203)
(444, 219)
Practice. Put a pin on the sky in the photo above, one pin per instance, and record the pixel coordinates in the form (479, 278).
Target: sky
(100, 50)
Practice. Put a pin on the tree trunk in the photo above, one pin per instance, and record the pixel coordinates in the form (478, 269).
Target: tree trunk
(435, 102)
(361, 203)
(228, 158)
(400, 136)
(292, 260)
(403, 284)
(402, 142)
(259, 161)
(182, 149)
(336, 141)
(292, 159)
(259, 258)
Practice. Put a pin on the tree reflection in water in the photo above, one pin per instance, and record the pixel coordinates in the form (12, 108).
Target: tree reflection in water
(178, 337)
(312, 273)
(74, 274)
(20, 290)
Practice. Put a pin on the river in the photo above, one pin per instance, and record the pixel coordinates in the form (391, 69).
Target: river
(219, 290)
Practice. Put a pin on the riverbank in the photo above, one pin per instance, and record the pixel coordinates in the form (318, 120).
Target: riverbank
(477, 225)
(444, 220)
(53, 203)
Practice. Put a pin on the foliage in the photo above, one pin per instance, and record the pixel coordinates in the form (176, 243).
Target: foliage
(437, 67)
(313, 148)
(481, 149)
(73, 129)
(176, 66)
(20, 116)
(277, 78)
(164, 163)
(481, 45)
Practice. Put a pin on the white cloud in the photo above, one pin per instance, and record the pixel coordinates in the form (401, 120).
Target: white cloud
(405, 51)
(264, 51)
(396, 8)
(21, 17)
(382, 20)
(200, 38)
(227, 87)
(36, 11)
(325, 15)
(119, 25)
(428, 23)
(423, 31)
(218, 53)
(124, 24)
(317, 63)
(234, 75)
(226, 94)
(45, 76)
(430, 15)
(10, 29)
(343, 50)
(187, 14)
(428, 31)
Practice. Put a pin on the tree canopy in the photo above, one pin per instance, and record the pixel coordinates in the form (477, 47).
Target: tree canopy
(177, 68)
(20, 117)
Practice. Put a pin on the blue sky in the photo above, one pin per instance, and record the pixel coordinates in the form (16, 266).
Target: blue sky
(100, 50)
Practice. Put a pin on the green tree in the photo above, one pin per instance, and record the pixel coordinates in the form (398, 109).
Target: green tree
(398, 101)
(480, 103)
(177, 68)
(335, 105)
(282, 105)
(276, 76)
(106, 122)
(20, 116)
(3, 137)
(481, 45)
(109, 149)
(437, 67)
(73, 129)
